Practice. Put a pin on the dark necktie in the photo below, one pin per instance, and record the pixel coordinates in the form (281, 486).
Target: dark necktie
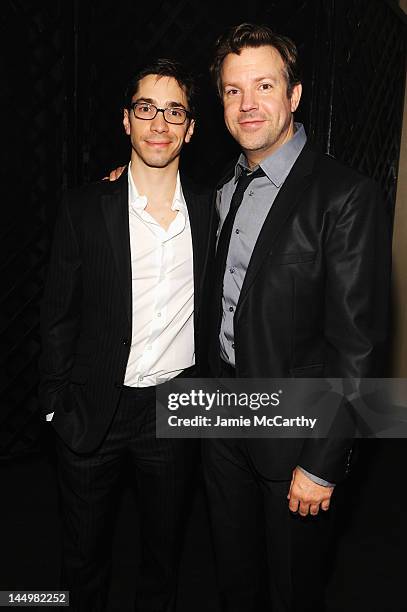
(220, 264)
(224, 238)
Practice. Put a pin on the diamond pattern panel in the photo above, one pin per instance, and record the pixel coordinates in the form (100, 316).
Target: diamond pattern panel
(369, 73)
(33, 90)
(185, 30)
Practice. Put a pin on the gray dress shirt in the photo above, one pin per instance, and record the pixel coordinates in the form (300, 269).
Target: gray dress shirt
(256, 204)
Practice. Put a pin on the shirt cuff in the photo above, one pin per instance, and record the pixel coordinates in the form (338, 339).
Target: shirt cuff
(316, 479)
(49, 416)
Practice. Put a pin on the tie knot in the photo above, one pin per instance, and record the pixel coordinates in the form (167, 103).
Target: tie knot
(245, 179)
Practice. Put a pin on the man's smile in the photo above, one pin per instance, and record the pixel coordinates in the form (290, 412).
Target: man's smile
(251, 123)
(158, 143)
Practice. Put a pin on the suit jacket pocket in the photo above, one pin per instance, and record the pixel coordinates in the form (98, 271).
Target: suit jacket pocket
(315, 370)
(79, 374)
(293, 258)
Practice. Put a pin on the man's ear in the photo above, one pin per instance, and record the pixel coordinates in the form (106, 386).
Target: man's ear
(126, 121)
(295, 97)
(190, 130)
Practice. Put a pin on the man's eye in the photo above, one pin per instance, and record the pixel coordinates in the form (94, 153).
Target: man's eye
(231, 92)
(266, 86)
(176, 112)
(144, 108)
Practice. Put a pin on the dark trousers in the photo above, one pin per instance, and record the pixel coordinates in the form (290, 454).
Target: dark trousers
(162, 471)
(267, 558)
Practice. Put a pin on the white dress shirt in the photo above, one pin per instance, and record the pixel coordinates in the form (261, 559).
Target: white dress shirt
(162, 343)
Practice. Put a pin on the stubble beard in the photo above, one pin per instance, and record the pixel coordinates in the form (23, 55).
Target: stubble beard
(262, 142)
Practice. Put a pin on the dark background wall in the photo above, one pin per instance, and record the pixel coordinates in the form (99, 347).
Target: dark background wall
(64, 66)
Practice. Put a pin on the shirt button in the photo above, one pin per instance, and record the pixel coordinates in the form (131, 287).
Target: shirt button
(230, 308)
(158, 314)
(237, 231)
(233, 345)
(232, 270)
(141, 378)
(149, 347)
(251, 192)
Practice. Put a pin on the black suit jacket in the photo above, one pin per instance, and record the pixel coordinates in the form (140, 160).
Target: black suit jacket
(86, 318)
(315, 299)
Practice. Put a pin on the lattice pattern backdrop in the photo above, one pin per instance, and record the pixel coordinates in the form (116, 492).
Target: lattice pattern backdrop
(67, 66)
(33, 87)
(368, 90)
(185, 31)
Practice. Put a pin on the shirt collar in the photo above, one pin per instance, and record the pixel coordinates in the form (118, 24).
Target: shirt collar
(139, 202)
(278, 165)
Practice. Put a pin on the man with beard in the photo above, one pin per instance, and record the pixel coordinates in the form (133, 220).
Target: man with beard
(301, 289)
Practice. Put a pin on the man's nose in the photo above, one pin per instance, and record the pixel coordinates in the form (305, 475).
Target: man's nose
(248, 101)
(159, 124)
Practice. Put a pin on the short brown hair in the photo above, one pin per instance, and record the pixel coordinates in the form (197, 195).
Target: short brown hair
(163, 67)
(251, 35)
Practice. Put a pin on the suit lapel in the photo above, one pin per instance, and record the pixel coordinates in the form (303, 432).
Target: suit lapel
(116, 212)
(287, 200)
(198, 238)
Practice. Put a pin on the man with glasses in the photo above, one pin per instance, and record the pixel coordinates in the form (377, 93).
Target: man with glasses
(120, 316)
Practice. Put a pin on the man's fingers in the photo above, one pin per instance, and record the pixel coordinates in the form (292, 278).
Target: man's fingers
(116, 173)
(293, 505)
(314, 509)
(307, 497)
(303, 509)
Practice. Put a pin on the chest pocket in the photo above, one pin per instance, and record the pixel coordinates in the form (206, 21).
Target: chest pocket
(293, 258)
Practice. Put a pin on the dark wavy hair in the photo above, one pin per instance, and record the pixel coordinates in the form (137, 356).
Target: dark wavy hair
(251, 35)
(163, 67)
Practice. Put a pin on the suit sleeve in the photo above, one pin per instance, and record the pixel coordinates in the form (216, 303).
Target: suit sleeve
(357, 295)
(60, 311)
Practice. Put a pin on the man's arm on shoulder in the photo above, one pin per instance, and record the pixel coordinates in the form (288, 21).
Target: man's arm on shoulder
(115, 174)
(60, 311)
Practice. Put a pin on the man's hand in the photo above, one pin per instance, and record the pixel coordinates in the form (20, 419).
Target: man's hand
(115, 174)
(307, 496)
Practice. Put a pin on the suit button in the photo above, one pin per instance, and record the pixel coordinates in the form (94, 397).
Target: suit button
(126, 342)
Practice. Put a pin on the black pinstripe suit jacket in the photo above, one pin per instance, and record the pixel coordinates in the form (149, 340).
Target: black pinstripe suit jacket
(87, 311)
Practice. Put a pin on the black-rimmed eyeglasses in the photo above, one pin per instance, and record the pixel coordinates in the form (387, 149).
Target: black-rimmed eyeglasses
(172, 114)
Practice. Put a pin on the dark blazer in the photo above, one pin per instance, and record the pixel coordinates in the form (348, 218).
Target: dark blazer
(86, 319)
(315, 299)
